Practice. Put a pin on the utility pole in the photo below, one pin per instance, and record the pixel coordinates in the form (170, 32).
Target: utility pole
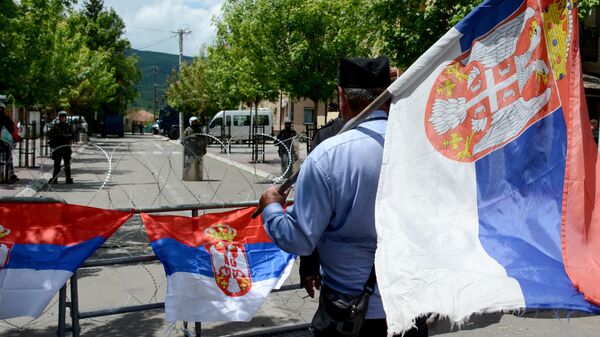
(181, 33)
(154, 93)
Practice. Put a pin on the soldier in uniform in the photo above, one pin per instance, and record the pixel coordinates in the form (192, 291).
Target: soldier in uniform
(60, 137)
(287, 152)
(194, 150)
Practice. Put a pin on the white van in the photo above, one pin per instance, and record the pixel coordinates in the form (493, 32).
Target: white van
(238, 124)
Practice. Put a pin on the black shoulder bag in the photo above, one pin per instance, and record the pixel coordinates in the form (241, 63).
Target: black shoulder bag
(340, 314)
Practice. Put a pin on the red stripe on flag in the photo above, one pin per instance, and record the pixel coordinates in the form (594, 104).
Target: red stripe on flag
(581, 198)
(56, 223)
(190, 231)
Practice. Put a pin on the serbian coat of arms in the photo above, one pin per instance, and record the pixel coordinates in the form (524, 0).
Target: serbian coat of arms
(5, 247)
(493, 92)
(229, 260)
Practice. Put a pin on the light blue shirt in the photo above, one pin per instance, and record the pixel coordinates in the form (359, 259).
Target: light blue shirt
(334, 208)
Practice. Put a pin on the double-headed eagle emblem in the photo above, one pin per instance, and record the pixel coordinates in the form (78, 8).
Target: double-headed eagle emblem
(490, 95)
(229, 261)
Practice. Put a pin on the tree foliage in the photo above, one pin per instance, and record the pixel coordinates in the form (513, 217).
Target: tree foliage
(264, 47)
(267, 46)
(54, 56)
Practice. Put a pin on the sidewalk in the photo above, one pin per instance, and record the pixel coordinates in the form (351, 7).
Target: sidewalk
(31, 179)
(241, 157)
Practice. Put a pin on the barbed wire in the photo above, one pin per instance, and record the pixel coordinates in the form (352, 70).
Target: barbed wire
(131, 239)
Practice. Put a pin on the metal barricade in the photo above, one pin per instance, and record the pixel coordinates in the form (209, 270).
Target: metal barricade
(310, 130)
(5, 151)
(43, 139)
(225, 138)
(76, 315)
(258, 144)
(27, 147)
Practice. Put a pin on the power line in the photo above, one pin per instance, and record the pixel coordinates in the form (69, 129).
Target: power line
(155, 43)
(151, 29)
(181, 33)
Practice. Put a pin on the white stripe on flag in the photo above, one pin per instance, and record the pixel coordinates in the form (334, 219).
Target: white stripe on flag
(423, 265)
(196, 298)
(26, 292)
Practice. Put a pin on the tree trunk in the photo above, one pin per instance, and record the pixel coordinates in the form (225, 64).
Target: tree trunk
(315, 111)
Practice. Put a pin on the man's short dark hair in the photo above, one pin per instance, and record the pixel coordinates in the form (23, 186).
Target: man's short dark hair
(358, 99)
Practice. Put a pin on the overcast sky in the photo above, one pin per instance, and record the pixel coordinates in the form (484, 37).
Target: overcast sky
(150, 23)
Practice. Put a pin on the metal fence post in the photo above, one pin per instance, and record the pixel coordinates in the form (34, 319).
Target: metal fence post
(198, 329)
(74, 306)
(197, 325)
(62, 308)
(34, 138)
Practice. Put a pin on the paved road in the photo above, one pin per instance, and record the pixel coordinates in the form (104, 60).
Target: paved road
(145, 172)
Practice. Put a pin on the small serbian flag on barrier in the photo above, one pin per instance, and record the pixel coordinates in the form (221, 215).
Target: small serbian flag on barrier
(490, 186)
(41, 245)
(219, 266)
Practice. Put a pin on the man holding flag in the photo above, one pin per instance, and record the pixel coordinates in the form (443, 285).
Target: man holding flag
(334, 209)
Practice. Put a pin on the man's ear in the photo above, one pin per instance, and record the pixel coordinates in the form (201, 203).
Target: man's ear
(344, 107)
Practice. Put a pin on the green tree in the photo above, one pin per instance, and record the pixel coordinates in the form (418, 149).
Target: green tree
(102, 31)
(407, 28)
(585, 7)
(38, 68)
(287, 45)
(8, 47)
(188, 93)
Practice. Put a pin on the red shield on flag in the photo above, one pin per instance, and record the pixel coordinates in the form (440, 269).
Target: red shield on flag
(229, 261)
(493, 92)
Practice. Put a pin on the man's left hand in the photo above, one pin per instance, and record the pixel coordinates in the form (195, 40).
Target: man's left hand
(269, 196)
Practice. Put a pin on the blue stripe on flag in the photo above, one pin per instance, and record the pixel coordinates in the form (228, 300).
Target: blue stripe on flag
(266, 261)
(520, 202)
(52, 257)
(483, 18)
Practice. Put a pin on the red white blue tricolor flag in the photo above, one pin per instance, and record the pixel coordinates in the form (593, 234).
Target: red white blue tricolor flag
(219, 266)
(489, 188)
(41, 245)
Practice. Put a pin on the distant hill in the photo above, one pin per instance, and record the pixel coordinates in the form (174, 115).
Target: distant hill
(165, 63)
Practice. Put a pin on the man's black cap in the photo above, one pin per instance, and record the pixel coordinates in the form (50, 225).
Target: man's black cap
(360, 72)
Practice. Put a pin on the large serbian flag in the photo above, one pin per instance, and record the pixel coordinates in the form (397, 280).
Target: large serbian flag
(220, 266)
(41, 245)
(489, 185)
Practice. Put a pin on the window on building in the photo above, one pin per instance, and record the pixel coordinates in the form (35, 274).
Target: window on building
(308, 116)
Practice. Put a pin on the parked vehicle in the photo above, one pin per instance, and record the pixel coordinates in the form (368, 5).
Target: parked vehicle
(169, 121)
(238, 124)
(113, 125)
(155, 128)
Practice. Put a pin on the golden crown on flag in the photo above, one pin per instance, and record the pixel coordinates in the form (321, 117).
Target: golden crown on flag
(221, 232)
(4, 231)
